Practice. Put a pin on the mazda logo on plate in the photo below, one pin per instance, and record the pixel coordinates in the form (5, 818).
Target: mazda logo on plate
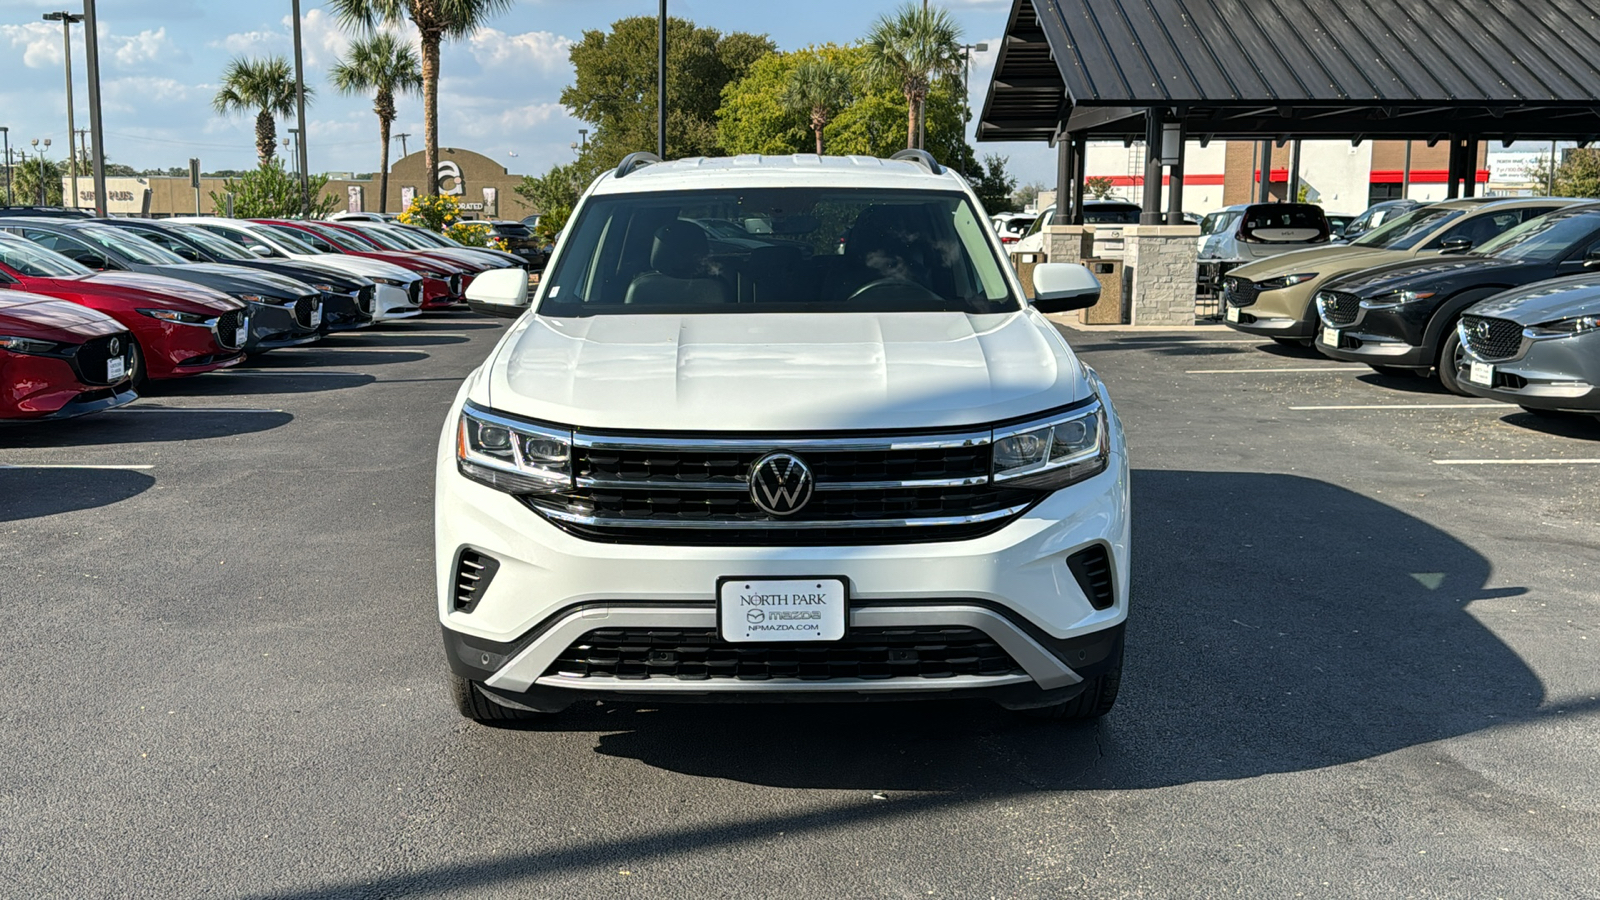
(780, 484)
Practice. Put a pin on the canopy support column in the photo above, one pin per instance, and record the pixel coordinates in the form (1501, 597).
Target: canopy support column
(1151, 214)
(1264, 173)
(1175, 180)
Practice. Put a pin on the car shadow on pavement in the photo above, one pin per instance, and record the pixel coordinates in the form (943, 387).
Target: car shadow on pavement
(1574, 425)
(28, 492)
(148, 422)
(1411, 384)
(320, 356)
(1279, 624)
(236, 385)
(392, 339)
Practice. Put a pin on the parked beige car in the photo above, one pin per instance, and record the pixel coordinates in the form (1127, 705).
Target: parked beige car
(1273, 298)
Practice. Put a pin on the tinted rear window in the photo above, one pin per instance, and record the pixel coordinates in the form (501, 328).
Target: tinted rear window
(1284, 223)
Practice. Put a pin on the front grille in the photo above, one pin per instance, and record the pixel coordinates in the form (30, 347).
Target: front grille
(303, 308)
(90, 359)
(698, 654)
(228, 331)
(865, 492)
(1339, 308)
(1491, 339)
(474, 571)
(1091, 568)
(1240, 291)
(414, 293)
(364, 298)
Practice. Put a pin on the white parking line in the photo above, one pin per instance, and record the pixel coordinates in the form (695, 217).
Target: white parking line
(401, 334)
(195, 409)
(276, 372)
(71, 466)
(1258, 371)
(1501, 406)
(1517, 462)
(313, 348)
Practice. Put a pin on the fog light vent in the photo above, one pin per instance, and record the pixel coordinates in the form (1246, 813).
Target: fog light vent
(474, 571)
(1092, 567)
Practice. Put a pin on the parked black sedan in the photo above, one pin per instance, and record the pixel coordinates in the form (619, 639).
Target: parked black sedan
(1403, 317)
(1537, 347)
(346, 299)
(282, 312)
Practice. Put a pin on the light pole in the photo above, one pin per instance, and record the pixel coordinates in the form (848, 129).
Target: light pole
(661, 83)
(583, 138)
(300, 114)
(402, 138)
(38, 165)
(5, 135)
(67, 20)
(966, 78)
(91, 46)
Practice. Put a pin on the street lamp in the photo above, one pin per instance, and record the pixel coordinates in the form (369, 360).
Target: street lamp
(67, 20)
(5, 134)
(38, 165)
(583, 138)
(966, 77)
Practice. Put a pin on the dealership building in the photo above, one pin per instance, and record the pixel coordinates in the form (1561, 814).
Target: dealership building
(483, 187)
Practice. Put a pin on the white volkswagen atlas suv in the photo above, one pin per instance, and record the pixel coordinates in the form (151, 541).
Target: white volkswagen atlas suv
(780, 429)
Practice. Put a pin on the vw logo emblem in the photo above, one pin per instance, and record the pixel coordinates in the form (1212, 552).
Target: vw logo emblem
(115, 347)
(780, 484)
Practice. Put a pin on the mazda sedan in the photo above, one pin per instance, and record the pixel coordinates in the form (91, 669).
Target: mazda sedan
(1537, 347)
(59, 360)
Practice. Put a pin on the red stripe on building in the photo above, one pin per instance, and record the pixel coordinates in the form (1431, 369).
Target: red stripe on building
(1138, 180)
(1420, 176)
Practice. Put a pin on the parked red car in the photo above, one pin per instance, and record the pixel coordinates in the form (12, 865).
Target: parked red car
(59, 359)
(443, 282)
(178, 328)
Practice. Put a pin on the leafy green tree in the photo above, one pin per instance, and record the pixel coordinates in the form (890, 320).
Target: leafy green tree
(270, 192)
(1099, 186)
(265, 86)
(554, 194)
(615, 85)
(1027, 194)
(36, 177)
(1579, 173)
(994, 186)
(385, 65)
(436, 21)
(914, 47)
(816, 88)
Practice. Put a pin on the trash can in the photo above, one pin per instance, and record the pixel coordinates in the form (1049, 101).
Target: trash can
(1109, 310)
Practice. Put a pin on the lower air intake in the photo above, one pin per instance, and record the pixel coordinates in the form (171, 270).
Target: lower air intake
(1092, 568)
(474, 571)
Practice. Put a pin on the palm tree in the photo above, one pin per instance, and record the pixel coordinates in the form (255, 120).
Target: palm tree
(914, 46)
(816, 88)
(386, 66)
(436, 21)
(265, 86)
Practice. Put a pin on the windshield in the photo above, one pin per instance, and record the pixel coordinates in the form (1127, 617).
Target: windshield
(219, 247)
(1409, 230)
(36, 262)
(1218, 221)
(341, 239)
(401, 236)
(801, 250)
(1545, 239)
(377, 238)
(428, 237)
(131, 246)
(1110, 215)
(286, 239)
(1043, 220)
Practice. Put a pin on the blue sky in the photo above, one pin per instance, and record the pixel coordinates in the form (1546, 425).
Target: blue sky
(160, 61)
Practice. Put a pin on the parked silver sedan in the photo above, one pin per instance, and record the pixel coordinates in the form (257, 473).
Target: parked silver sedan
(1536, 346)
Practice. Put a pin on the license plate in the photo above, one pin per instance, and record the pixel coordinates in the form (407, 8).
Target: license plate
(116, 367)
(316, 316)
(1481, 373)
(1233, 314)
(1330, 336)
(753, 610)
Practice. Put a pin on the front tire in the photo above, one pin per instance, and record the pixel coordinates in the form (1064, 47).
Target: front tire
(1098, 696)
(138, 375)
(1450, 356)
(470, 702)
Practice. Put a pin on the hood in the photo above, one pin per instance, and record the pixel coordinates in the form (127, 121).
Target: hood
(1544, 301)
(467, 260)
(234, 279)
(784, 372)
(1324, 260)
(158, 290)
(418, 259)
(308, 273)
(1413, 274)
(366, 268)
(48, 319)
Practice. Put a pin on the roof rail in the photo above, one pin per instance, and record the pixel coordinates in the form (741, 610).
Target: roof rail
(922, 158)
(635, 160)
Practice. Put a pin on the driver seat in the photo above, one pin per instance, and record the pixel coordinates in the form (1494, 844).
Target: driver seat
(678, 257)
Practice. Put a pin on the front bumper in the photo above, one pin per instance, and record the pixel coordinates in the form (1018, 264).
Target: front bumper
(395, 302)
(549, 588)
(275, 325)
(343, 312)
(1549, 373)
(43, 388)
(1282, 313)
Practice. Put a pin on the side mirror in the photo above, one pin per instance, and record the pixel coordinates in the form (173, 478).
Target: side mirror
(1592, 258)
(1063, 287)
(262, 251)
(499, 292)
(1456, 245)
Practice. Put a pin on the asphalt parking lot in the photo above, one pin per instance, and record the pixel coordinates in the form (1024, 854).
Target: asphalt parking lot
(1361, 664)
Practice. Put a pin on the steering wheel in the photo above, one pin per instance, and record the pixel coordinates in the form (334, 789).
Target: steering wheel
(889, 282)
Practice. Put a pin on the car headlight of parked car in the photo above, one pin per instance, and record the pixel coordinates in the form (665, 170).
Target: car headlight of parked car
(1053, 453)
(512, 455)
(172, 315)
(1395, 298)
(1274, 284)
(1563, 327)
(392, 282)
(30, 346)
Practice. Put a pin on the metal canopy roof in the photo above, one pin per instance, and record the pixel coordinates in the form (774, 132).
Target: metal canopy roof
(1422, 69)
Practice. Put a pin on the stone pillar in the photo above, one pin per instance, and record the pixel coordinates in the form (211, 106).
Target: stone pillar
(1068, 243)
(1160, 263)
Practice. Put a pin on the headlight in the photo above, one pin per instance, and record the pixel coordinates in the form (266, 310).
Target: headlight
(426, 274)
(1558, 328)
(1053, 453)
(31, 346)
(172, 315)
(392, 282)
(325, 288)
(1395, 298)
(511, 455)
(251, 298)
(1273, 284)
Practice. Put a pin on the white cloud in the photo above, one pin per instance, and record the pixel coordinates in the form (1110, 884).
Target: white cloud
(41, 43)
(145, 47)
(543, 50)
(136, 94)
(321, 40)
(251, 43)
